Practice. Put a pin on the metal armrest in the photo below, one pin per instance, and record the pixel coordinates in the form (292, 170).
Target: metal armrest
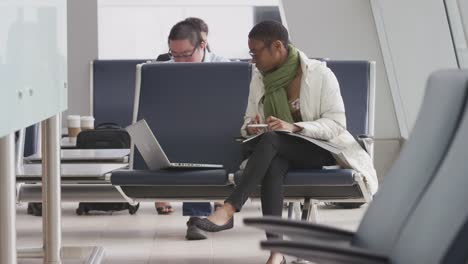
(364, 136)
(300, 230)
(323, 252)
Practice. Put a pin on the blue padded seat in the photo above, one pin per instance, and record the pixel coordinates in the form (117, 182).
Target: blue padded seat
(335, 177)
(170, 177)
(114, 90)
(339, 177)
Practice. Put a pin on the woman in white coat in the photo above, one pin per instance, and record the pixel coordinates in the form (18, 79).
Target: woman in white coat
(289, 92)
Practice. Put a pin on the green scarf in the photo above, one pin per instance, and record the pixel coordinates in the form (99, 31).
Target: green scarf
(275, 102)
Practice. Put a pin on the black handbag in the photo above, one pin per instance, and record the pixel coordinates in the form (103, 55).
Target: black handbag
(105, 136)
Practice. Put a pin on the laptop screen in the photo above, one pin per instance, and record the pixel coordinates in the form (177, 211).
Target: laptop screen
(148, 145)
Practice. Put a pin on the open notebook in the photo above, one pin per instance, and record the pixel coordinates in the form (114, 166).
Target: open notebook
(333, 148)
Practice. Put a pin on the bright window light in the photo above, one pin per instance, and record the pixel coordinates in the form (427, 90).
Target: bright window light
(138, 29)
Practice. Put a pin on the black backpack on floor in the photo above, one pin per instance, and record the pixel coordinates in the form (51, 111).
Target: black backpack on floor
(105, 136)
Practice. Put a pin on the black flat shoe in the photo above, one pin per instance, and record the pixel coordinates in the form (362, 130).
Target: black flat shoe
(208, 226)
(192, 220)
(195, 233)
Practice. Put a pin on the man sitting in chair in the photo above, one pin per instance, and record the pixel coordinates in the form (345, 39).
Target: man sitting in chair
(187, 43)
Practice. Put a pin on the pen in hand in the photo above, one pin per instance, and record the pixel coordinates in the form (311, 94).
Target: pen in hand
(255, 127)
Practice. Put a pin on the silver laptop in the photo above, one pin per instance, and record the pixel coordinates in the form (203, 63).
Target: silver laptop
(153, 154)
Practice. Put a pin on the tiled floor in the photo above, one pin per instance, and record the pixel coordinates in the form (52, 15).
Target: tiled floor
(149, 238)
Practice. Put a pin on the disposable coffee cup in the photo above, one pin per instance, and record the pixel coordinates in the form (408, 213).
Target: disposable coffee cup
(87, 122)
(72, 140)
(74, 126)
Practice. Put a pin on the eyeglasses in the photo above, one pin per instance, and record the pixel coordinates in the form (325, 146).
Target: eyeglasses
(254, 53)
(183, 55)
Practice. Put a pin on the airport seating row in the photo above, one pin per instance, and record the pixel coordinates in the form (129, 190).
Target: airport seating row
(196, 111)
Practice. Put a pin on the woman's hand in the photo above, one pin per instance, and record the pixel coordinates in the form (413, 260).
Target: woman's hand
(278, 124)
(255, 130)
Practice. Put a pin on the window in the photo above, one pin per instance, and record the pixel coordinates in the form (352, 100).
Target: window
(138, 29)
(458, 18)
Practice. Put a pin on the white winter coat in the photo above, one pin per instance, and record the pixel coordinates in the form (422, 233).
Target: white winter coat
(323, 115)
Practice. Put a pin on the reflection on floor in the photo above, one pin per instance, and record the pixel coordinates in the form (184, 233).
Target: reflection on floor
(150, 238)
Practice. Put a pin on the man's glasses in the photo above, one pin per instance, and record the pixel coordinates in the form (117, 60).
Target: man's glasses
(182, 55)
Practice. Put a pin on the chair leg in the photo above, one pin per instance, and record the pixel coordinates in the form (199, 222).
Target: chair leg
(294, 210)
(290, 210)
(313, 212)
(305, 209)
(310, 211)
(301, 261)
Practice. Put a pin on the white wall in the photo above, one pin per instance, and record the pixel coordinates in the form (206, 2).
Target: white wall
(346, 30)
(130, 29)
(141, 31)
(463, 7)
(457, 11)
(82, 48)
(416, 41)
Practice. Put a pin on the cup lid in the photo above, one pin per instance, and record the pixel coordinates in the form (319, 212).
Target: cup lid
(73, 117)
(87, 118)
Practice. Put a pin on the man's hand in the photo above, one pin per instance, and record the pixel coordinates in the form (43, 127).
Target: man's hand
(255, 130)
(278, 124)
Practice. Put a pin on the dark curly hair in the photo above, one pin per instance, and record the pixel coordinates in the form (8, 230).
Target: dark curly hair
(269, 31)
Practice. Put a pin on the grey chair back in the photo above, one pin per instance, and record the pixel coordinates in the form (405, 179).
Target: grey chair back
(354, 78)
(31, 140)
(436, 232)
(442, 109)
(195, 110)
(113, 90)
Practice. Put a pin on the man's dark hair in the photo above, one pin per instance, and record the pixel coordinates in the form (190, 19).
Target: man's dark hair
(199, 22)
(186, 30)
(201, 25)
(269, 31)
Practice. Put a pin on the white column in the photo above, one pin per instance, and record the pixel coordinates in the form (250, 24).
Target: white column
(7, 200)
(51, 190)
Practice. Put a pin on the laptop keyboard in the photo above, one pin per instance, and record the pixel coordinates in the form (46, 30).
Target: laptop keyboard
(195, 165)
